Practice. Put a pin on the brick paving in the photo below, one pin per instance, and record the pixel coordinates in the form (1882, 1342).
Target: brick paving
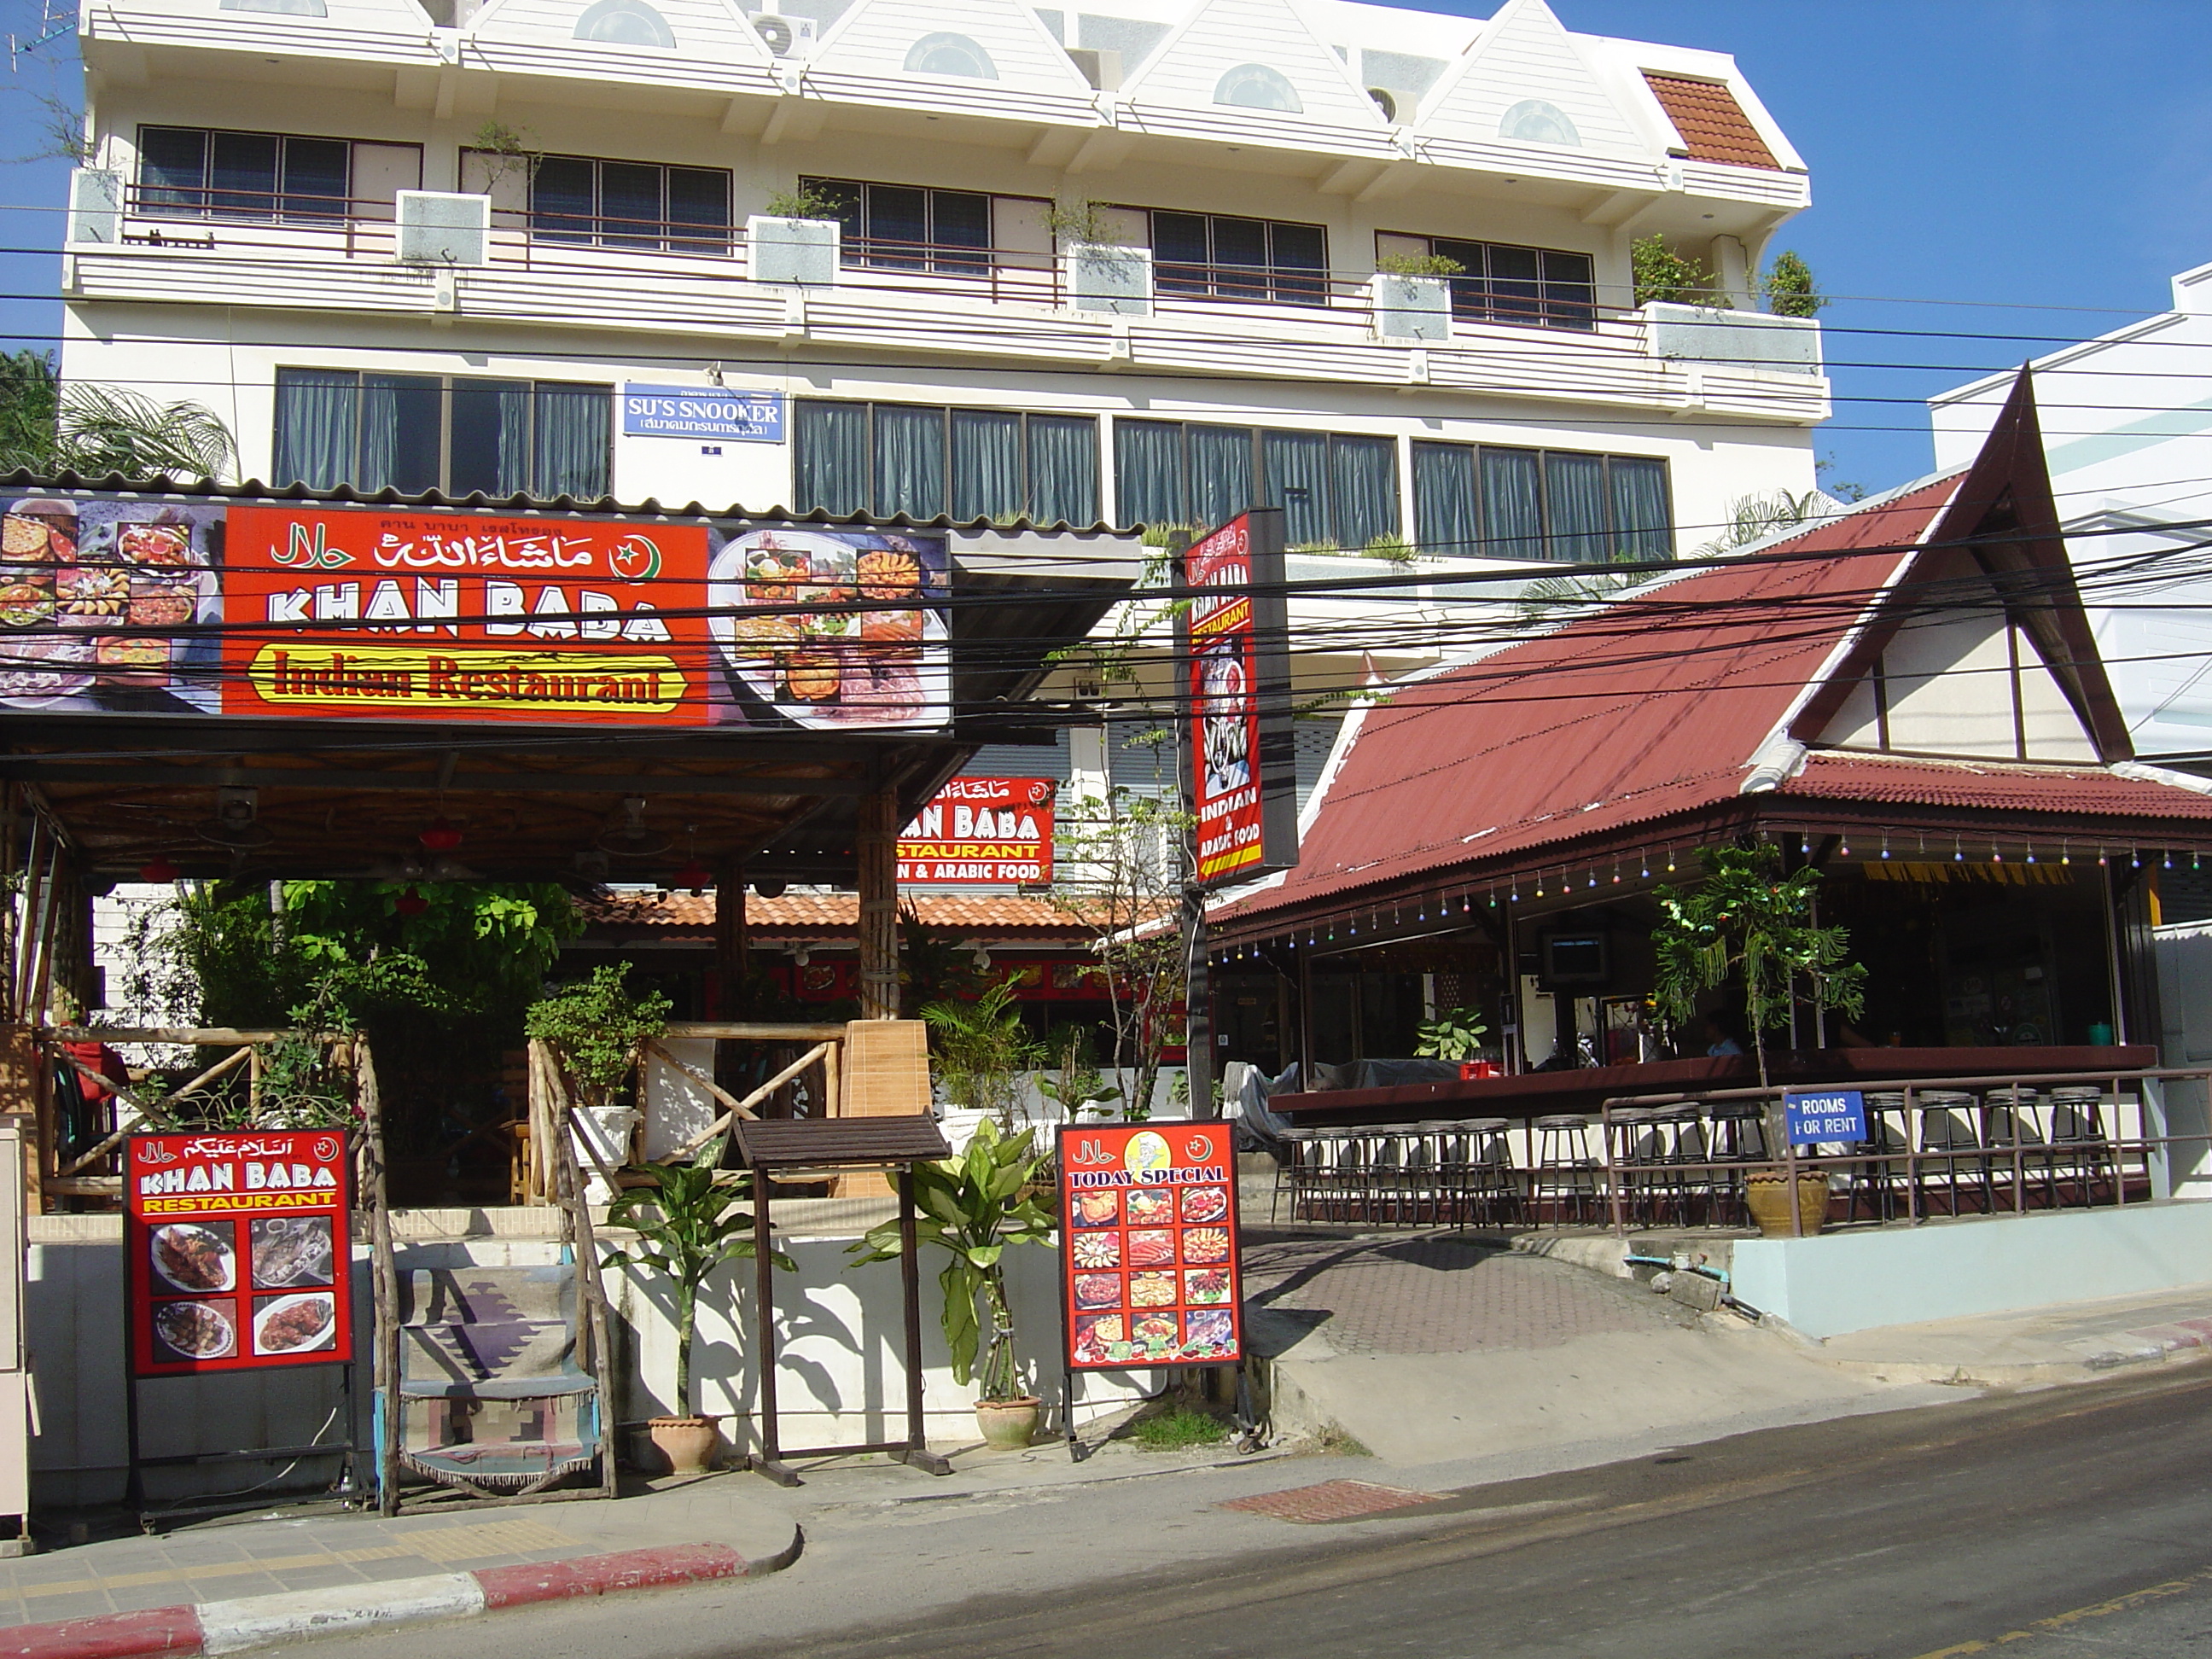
(1441, 1293)
(1332, 1500)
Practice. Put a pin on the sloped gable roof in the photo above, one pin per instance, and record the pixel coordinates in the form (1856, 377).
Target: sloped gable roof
(1222, 35)
(1525, 55)
(876, 36)
(704, 31)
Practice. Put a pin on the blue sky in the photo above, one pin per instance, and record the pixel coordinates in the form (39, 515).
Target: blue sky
(2050, 155)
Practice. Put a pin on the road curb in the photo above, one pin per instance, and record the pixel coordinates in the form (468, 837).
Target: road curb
(214, 1628)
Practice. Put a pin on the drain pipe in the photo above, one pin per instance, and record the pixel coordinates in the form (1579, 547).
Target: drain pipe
(1727, 1299)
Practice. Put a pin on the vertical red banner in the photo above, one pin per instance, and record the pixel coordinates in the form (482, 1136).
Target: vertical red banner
(1148, 1245)
(237, 1251)
(1224, 704)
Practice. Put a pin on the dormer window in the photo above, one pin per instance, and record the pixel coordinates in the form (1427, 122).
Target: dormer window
(1254, 86)
(1532, 121)
(625, 23)
(950, 54)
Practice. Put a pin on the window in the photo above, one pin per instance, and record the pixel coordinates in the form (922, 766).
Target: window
(418, 432)
(200, 173)
(1487, 501)
(968, 463)
(625, 23)
(1532, 121)
(1254, 86)
(950, 54)
(1338, 491)
(908, 228)
(1231, 258)
(630, 205)
(1544, 286)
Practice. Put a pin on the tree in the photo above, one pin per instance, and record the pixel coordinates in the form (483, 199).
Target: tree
(1754, 518)
(1747, 919)
(1661, 274)
(1789, 288)
(47, 426)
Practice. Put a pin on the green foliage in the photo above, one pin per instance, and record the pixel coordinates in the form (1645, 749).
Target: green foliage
(1789, 288)
(801, 203)
(932, 967)
(687, 1226)
(1078, 1080)
(1392, 546)
(48, 427)
(996, 1194)
(1747, 920)
(1178, 1430)
(1419, 264)
(1663, 275)
(1454, 1034)
(1754, 518)
(598, 1028)
(980, 1044)
(30, 401)
(1089, 223)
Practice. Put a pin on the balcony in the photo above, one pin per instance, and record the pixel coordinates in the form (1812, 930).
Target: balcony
(793, 282)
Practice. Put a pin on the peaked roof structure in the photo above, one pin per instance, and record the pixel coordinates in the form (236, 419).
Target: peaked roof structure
(1526, 80)
(1796, 685)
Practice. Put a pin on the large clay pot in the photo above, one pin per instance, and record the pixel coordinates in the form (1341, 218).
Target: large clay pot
(1007, 1425)
(688, 1442)
(1766, 1195)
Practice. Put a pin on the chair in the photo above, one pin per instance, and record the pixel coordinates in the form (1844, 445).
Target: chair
(1493, 1183)
(2012, 1129)
(2080, 1150)
(1878, 1183)
(1565, 1172)
(1949, 1135)
(1294, 1174)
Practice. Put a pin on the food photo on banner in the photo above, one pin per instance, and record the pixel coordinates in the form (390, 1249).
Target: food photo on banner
(140, 605)
(1238, 738)
(1149, 1268)
(236, 1251)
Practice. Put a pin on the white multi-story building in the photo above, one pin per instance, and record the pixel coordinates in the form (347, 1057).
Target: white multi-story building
(2127, 429)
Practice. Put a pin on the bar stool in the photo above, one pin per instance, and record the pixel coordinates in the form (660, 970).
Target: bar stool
(1880, 1179)
(1492, 1182)
(1947, 1133)
(2079, 1151)
(1565, 1172)
(1294, 1173)
(2012, 1130)
(1639, 1151)
(1682, 1128)
(1735, 1135)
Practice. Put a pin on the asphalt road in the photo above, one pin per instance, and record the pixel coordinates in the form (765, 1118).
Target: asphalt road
(2059, 1522)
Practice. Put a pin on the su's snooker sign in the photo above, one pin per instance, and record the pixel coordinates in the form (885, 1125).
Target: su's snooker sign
(1238, 747)
(236, 1251)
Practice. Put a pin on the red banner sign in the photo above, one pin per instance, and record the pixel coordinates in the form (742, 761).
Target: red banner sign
(1148, 1246)
(981, 832)
(236, 1251)
(1225, 705)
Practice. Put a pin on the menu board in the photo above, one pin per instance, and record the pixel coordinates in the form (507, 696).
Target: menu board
(236, 1251)
(145, 604)
(1148, 1246)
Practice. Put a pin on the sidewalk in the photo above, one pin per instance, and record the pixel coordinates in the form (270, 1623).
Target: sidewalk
(2066, 1342)
(263, 1580)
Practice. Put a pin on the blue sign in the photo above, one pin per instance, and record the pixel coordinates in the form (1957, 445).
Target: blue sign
(702, 412)
(1839, 1114)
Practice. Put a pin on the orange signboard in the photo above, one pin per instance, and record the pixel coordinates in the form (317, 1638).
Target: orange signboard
(1149, 1264)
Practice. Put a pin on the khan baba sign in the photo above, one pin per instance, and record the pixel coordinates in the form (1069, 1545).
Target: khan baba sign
(981, 832)
(1148, 1246)
(236, 1251)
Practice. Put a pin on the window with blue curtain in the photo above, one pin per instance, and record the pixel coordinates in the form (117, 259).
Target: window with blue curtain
(1445, 519)
(1512, 504)
(987, 464)
(1295, 477)
(420, 432)
(1148, 480)
(909, 461)
(829, 457)
(922, 461)
(1576, 509)
(1220, 461)
(1063, 468)
(1643, 518)
(1364, 484)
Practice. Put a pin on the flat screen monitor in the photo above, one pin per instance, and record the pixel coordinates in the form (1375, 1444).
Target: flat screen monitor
(1575, 959)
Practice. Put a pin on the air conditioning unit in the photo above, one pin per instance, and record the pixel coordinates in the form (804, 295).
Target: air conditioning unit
(437, 228)
(784, 37)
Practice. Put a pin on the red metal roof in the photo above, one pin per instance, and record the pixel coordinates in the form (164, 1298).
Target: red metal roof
(1713, 126)
(2083, 790)
(833, 915)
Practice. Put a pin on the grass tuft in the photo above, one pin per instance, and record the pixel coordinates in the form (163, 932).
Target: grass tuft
(1179, 1429)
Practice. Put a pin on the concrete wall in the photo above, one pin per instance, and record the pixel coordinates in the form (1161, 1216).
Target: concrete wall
(1842, 1282)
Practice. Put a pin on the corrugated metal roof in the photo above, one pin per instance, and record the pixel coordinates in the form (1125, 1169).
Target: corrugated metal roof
(2084, 791)
(1713, 126)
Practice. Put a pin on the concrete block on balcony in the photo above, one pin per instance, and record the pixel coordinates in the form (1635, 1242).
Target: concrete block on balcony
(439, 228)
(792, 250)
(95, 204)
(1742, 339)
(1108, 278)
(1410, 308)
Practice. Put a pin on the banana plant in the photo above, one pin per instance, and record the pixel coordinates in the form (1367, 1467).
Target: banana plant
(686, 1228)
(996, 1194)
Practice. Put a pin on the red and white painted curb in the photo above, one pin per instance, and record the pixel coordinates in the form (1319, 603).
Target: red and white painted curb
(261, 1621)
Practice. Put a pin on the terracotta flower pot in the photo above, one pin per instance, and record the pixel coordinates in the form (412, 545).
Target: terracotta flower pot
(1766, 1195)
(688, 1442)
(1007, 1425)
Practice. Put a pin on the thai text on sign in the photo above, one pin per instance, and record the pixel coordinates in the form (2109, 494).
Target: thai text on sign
(981, 832)
(1149, 1263)
(236, 1251)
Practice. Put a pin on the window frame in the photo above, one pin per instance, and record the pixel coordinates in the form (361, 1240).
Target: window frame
(1273, 282)
(858, 250)
(284, 202)
(1263, 486)
(667, 236)
(1548, 534)
(445, 385)
(947, 413)
(1559, 301)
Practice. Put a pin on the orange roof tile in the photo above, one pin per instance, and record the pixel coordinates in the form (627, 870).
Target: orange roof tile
(1713, 126)
(829, 915)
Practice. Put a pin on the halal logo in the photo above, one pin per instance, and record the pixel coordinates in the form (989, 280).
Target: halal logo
(635, 559)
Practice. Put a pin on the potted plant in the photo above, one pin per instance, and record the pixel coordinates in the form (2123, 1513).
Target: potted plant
(687, 1226)
(972, 1206)
(980, 1044)
(598, 1030)
(1747, 919)
(1454, 1034)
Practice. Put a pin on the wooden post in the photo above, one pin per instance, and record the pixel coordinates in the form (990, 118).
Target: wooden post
(384, 1276)
(733, 955)
(878, 882)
